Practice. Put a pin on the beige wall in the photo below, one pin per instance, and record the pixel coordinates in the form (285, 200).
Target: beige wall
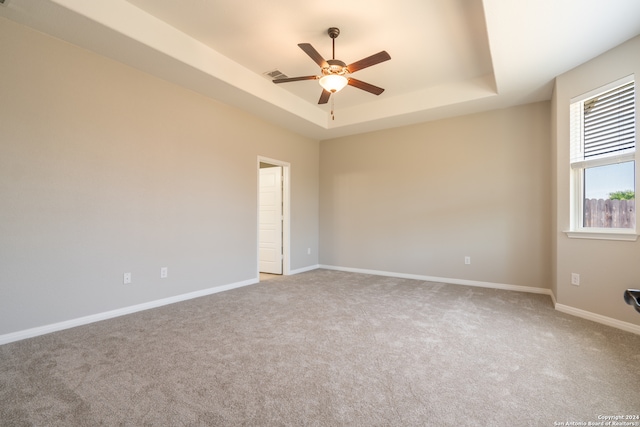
(606, 268)
(418, 199)
(106, 170)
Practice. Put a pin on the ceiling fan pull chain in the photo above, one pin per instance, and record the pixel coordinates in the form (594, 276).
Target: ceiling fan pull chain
(332, 106)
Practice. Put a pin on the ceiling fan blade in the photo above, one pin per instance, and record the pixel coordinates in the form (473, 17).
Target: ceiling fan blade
(369, 61)
(324, 97)
(365, 86)
(313, 54)
(295, 79)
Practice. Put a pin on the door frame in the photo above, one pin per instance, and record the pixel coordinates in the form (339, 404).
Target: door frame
(286, 214)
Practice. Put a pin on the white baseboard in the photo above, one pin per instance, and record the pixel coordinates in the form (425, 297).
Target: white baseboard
(304, 269)
(629, 327)
(42, 330)
(492, 285)
(625, 326)
(47, 329)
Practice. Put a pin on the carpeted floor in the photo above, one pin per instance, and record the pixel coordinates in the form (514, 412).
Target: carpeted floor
(328, 348)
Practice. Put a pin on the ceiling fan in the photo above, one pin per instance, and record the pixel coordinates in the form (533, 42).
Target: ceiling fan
(334, 73)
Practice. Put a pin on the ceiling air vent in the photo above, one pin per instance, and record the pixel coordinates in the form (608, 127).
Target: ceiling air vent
(275, 74)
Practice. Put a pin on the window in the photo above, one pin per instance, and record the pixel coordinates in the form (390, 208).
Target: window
(603, 146)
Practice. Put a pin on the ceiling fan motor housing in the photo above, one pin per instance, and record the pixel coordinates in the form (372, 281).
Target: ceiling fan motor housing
(335, 67)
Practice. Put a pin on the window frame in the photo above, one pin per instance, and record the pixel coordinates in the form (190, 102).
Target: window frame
(578, 164)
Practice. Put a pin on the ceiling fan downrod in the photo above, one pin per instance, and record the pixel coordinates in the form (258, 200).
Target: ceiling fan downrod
(333, 33)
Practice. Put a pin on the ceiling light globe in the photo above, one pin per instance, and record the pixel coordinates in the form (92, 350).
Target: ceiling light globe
(333, 82)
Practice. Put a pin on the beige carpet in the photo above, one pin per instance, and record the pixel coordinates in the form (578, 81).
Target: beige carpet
(328, 348)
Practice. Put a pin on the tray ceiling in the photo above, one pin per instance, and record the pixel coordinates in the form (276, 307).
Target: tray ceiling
(448, 57)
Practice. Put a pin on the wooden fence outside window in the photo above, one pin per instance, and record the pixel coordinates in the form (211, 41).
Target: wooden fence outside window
(609, 213)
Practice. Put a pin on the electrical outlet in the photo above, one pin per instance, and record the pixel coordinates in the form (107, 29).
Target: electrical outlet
(467, 260)
(575, 279)
(127, 278)
(308, 251)
(164, 272)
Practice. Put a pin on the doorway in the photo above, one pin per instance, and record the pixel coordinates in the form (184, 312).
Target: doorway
(273, 216)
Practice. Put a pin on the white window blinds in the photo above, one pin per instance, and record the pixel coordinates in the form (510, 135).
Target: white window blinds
(609, 123)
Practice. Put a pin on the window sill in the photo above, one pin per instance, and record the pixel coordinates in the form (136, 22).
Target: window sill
(603, 234)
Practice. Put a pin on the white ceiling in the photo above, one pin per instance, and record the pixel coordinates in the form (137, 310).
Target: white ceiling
(448, 57)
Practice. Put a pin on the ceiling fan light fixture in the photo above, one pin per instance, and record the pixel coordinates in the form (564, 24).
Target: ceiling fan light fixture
(333, 82)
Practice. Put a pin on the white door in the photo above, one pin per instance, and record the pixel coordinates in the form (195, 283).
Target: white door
(270, 229)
